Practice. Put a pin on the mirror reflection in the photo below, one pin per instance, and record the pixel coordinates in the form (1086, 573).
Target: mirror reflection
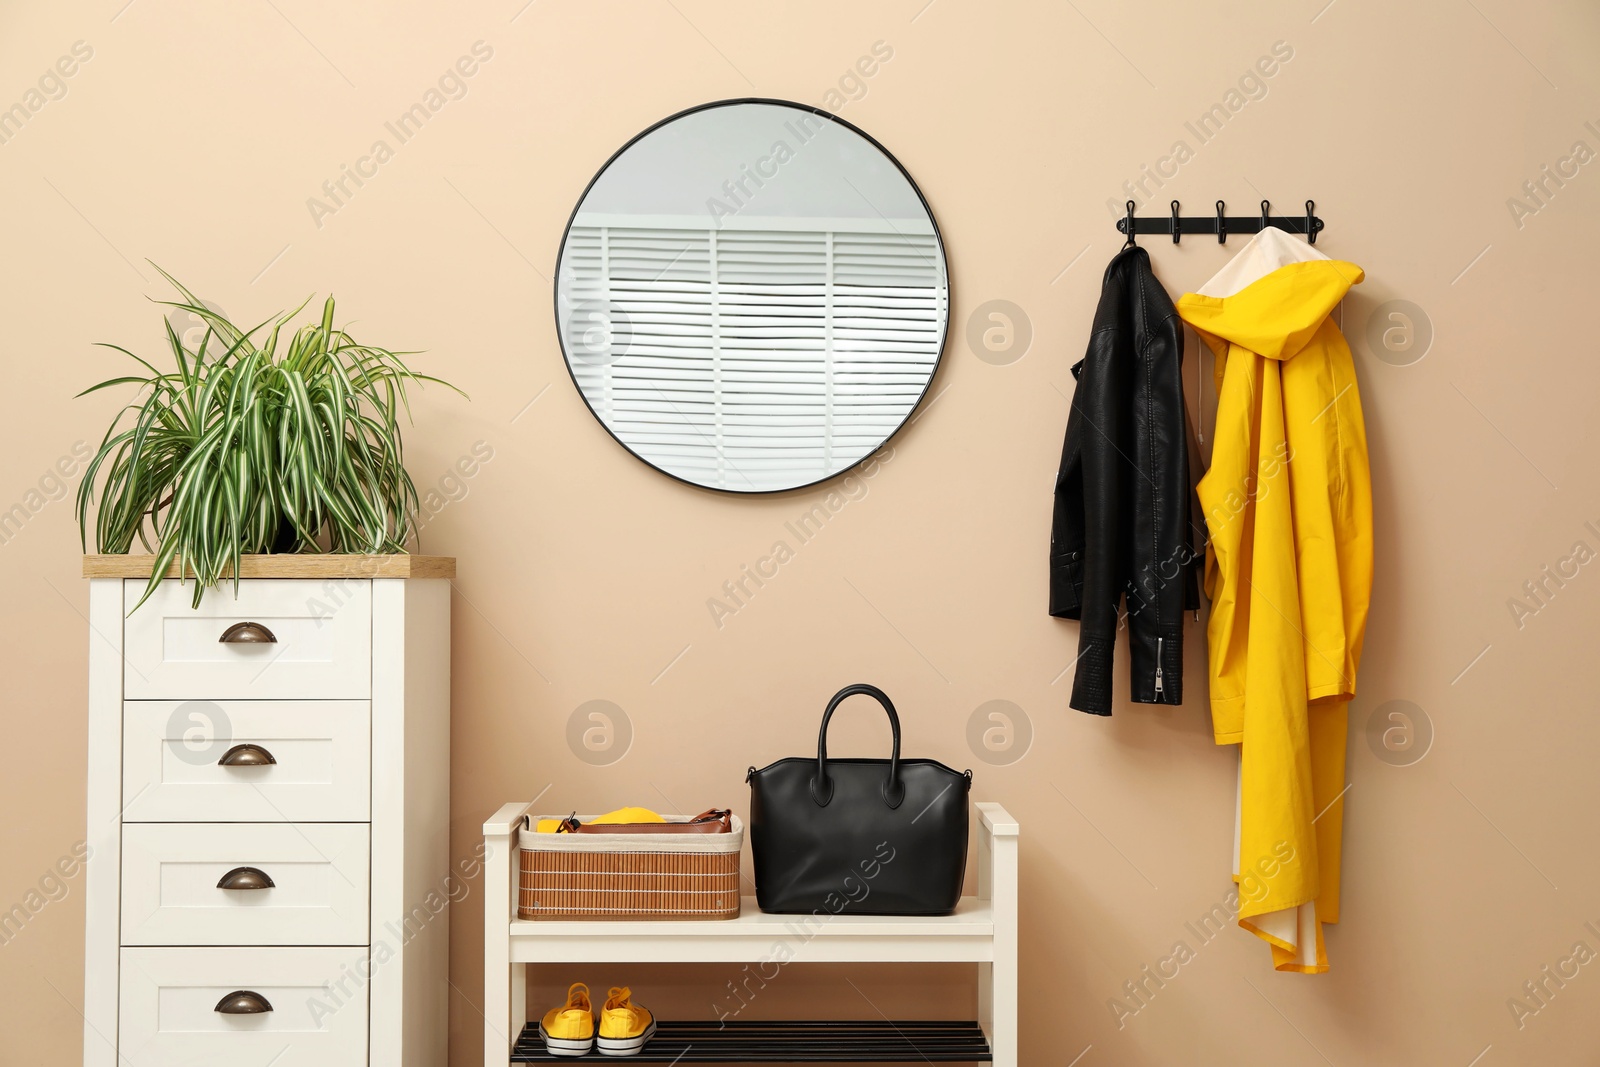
(752, 296)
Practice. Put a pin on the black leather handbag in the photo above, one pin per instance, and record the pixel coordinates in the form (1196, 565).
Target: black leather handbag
(858, 836)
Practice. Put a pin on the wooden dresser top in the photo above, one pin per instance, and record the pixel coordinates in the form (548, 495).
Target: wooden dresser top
(299, 565)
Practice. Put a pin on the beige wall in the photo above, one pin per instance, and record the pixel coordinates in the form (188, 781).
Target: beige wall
(196, 133)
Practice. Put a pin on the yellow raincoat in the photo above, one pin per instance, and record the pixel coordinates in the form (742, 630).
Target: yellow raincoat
(1288, 505)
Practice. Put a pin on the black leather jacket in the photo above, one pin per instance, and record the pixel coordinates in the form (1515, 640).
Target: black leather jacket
(1122, 508)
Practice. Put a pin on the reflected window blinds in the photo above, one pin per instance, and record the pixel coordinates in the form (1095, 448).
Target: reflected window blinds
(771, 354)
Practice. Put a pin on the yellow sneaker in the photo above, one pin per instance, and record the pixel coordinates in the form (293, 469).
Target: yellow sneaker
(569, 1030)
(625, 1027)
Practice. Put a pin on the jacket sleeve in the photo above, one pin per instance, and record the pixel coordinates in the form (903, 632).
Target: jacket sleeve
(1066, 528)
(1092, 557)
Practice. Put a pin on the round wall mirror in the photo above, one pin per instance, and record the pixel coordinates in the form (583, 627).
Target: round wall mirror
(752, 296)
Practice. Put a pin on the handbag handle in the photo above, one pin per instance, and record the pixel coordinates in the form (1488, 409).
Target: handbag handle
(822, 786)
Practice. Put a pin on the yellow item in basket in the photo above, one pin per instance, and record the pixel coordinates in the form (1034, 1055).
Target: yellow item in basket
(549, 826)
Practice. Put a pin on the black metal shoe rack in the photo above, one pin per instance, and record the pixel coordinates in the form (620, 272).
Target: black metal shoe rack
(831, 1041)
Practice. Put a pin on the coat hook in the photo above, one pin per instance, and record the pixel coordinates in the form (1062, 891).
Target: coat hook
(1311, 221)
(1266, 215)
(1177, 224)
(1128, 223)
(1222, 225)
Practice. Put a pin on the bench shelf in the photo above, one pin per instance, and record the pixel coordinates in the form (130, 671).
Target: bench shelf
(982, 931)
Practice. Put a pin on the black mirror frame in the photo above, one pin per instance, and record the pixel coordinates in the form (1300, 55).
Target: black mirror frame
(938, 237)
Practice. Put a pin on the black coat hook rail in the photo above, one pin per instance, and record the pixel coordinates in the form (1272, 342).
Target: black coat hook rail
(1220, 224)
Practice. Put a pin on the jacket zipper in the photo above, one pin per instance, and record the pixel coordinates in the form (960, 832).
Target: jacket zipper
(1159, 676)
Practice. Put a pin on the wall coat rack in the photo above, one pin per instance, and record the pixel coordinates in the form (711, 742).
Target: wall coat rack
(1220, 224)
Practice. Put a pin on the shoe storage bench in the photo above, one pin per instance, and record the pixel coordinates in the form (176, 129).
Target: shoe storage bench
(982, 931)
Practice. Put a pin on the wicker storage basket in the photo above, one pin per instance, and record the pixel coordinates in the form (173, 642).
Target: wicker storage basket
(631, 876)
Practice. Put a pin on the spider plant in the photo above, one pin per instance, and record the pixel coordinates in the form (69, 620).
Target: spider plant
(247, 447)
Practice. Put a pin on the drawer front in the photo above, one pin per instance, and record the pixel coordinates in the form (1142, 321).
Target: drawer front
(318, 895)
(169, 996)
(309, 640)
(187, 761)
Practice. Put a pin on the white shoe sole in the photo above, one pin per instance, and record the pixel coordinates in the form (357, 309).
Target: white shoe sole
(625, 1046)
(565, 1046)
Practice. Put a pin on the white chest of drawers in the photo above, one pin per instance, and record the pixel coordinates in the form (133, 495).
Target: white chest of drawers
(268, 816)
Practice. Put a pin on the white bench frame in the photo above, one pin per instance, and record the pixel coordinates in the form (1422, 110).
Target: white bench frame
(982, 930)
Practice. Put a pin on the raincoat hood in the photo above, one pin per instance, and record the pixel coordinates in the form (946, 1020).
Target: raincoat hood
(1276, 315)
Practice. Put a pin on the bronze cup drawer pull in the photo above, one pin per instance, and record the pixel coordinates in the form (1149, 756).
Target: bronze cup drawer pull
(247, 633)
(242, 1002)
(246, 878)
(246, 756)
